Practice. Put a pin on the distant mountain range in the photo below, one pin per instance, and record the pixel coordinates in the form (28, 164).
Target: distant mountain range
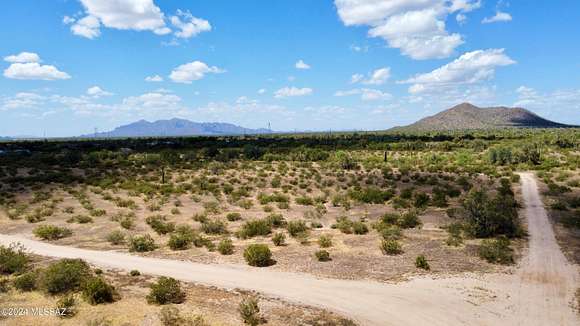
(467, 116)
(175, 128)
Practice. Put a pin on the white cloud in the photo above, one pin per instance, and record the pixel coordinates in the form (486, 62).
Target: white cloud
(97, 92)
(22, 100)
(154, 78)
(23, 57)
(261, 91)
(137, 15)
(471, 67)
(358, 48)
(558, 105)
(292, 92)
(191, 26)
(461, 18)
(416, 27)
(88, 27)
(26, 66)
(152, 100)
(499, 17)
(302, 65)
(366, 94)
(195, 70)
(377, 77)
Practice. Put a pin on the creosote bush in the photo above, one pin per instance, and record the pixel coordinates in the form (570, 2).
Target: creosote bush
(166, 290)
(52, 232)
(26, 282)
(421, 262)
(497, 251)
(67, 304)
(322, 255)
(250, 311)
(258, 255)
(13, 259)
(64, 276)
(279, 239)
(141, 243)
(96, 291)
(391, 247)
(226, 247)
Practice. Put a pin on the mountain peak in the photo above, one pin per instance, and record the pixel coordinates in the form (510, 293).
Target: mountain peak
(468, 116)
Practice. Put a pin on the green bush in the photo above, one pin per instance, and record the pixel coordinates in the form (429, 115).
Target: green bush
(421, 200)
(421, 262)
(13, 259)
(116, 237)
(214, 227)
(67, 305)
(182, 238)
(392, 232)
(26, 282)
(371, 195)
(64, 276)
(165, 290)
(322, 255)
(276, 220)
(250, 311)
(134, 272)
(258, 255)
(359, 228)
(141, 243)
(409, 219)
(325, 241)
(52, 232)
(255, 227)
(96, 291)
(278, 239)
(497, 251)
(234, 216)
(226, 247)
(160, 225)
(491, 216)
(296, 227)
(391, 247)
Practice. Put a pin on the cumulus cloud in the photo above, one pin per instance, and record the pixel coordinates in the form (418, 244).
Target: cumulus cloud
(557, 105)
(190, 26)
(261, 91)
(195, 70)
(97, 92)
(499, 17)
(137, 15)
(22, 100)
(416, 27)
(152, 100)
(470, 68)
(26, 66)
(377, 77)
(154, 78)
(88, 27)
(302, 65)
(366, 94)
(292, 92)
(22, 57)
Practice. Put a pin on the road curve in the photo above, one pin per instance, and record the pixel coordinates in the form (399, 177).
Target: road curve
(528, 297)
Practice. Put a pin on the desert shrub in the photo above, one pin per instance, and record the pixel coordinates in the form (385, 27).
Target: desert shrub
(409, 219)
(305, 201)
(141, 243)
(116, 237)
(81, 219)
(96, 291)
(276, 220)
(258, 255)
(421, 262)
(250, 311)
(226, 247)
(391, 247)
(278, 239)
(421, 200)
(52, 232)
(391, 232)
(182, 238)
(165, 290)
(127, 222)
(360, 228)
(439, 197)
(26, 282)
(4, 285)
(233, 216)
(496, 251)
(64, 276)
(255, 227)
(170, 316)
(322, 255)
(160, 225)
(343, 224)
(325, 241)
(13, 259)
(67, 306)
(371, 195)
(214, 227)
(491, 216)
(134, 272)
(296, 227)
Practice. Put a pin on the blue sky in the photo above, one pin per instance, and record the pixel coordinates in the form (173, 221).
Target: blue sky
(69, 66)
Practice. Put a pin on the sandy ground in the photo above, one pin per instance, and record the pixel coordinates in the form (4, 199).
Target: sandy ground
(538, 292)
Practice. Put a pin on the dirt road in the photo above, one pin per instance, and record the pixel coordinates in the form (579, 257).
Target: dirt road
(538, 293)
